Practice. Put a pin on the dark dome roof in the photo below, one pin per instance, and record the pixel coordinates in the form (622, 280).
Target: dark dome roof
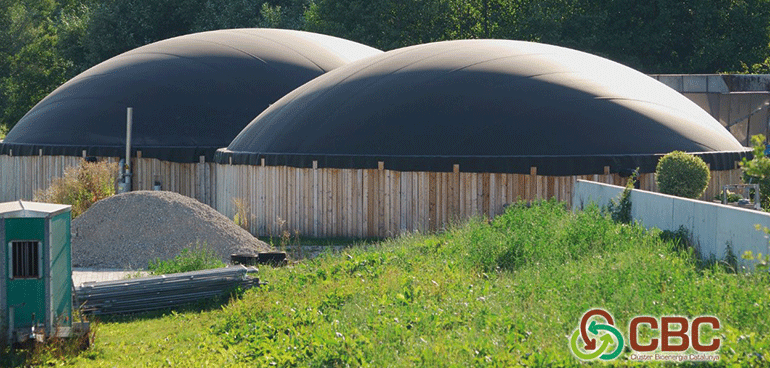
(190, 94)
(488, 105)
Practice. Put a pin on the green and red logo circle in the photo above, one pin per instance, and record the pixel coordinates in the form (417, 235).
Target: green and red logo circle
(597, 337)
(599, 340)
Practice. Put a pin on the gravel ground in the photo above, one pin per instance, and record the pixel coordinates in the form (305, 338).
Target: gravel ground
(128, 230)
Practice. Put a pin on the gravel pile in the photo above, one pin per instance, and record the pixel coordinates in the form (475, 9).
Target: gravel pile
(131, 229)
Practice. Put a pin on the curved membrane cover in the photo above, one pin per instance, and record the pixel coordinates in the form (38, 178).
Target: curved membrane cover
(488, 105)
(190, 94)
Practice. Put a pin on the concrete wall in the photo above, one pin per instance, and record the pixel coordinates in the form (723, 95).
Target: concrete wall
(712, 225)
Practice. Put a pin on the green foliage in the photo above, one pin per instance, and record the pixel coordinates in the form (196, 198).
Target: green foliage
(682, 175)
(392, 24)
(656, 37)
(46, 42)
(731, 197)
(81, 186)
(31, 65)
(426, 300)
(195, 258)
(761, 262)
(757, 170)
(681, 238)
(620, 209)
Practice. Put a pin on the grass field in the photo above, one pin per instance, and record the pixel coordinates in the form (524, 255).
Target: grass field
(505, 292)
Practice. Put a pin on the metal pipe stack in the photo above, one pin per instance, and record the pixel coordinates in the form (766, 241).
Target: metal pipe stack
(159, 292)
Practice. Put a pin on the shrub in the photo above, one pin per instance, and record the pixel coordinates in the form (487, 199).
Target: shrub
(620, 209)
(731, 197)
(682, 175)
(81, 186)
(195, 258)
(757, 170)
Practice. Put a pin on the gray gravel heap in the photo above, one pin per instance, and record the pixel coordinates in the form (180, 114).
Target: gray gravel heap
(131, 229)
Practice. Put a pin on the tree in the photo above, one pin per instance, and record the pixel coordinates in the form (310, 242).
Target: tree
(658, 36)
(30, 61)
(389, 24)
(116, 26)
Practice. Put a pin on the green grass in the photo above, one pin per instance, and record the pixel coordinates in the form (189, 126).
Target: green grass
(501, 293)
(194, 258)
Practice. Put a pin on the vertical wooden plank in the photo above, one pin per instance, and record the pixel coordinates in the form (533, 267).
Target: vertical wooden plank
(305, 194)
(358, 196)
(269, 196)
(349, 175)
(415, 199)
(551, 189)
(298, 206)
(373, 187)
(331, 201)
(389, 187)
(315, 197)
(365, 193)
(446, 198)
(488, 190)
(250, 174)
(403, 201)
(433, 191)
(381, 199)
(338, 202)
(322, 215)
(407, 206)
(473, 194)
(330, 204)
(422, 201)
(464, 199)
(282, 199)
(394, 202)
(272, 184)
(528, 188)
(355, 223)
(532, 187)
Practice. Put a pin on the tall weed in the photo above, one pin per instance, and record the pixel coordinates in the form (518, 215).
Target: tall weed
(544, 233)
(195, 258)
(81, 186)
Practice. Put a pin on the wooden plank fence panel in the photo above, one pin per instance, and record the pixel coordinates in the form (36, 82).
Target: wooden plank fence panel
(331, 202)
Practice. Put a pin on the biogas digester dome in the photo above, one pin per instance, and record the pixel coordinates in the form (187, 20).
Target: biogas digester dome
(190, 94)
(487, 105)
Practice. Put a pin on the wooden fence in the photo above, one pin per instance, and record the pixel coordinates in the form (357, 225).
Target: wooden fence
(195, 180)
(22, 176)
(377, 202)
(325, 202)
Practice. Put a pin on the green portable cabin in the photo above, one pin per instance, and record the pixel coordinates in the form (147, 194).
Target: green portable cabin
(36, 269)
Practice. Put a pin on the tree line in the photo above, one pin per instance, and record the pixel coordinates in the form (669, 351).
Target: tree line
(47, 42)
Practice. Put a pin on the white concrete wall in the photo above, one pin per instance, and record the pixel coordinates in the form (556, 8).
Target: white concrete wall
(712, 225)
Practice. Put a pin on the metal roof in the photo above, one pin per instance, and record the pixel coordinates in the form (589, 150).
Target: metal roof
(26, 209)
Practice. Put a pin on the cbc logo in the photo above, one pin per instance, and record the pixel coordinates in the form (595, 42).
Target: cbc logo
(688, 333)
(601, 339)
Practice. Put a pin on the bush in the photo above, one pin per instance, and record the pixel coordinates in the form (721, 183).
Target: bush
(81, 186)
(195, 258)
(682, 175)
(620, 209)
(757, 170)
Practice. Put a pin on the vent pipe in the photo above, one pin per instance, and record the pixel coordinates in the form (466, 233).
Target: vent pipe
(124, 185)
